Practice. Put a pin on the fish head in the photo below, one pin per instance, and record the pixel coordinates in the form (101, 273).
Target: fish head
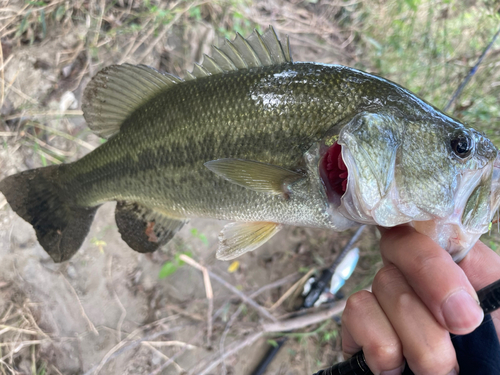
(434, 173)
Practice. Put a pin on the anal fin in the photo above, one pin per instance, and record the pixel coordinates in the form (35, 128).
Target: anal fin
(144, 229)
(236, 239)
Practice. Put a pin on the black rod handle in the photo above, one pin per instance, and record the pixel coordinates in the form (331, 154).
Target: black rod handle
(489, 299)
(356, 365)
(268, 358)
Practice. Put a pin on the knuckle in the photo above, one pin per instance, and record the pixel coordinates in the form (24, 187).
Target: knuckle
(359, 300)
(356, 304)
(385, 355)
(424, 264)
(405, 302)
(438, 358)
(386, 278)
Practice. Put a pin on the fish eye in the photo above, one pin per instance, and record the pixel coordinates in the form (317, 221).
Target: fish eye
(462, 146)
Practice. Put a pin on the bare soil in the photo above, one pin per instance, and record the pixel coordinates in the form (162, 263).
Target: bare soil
(106, 310)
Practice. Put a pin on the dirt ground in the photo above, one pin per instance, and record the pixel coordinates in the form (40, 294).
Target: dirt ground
(107, 311)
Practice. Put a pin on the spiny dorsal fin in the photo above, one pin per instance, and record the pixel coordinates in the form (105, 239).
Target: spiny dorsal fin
(116, 91)
(236, 239)
(143, 229)
(254, 51)
(254, 175)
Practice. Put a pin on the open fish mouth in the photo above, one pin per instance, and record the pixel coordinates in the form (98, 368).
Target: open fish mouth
(338, 174)
(476, 202)
(334, 172)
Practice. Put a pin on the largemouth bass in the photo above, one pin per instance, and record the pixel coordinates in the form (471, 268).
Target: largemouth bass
(252, 137)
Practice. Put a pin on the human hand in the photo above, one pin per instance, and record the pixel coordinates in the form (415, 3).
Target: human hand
(418, 297)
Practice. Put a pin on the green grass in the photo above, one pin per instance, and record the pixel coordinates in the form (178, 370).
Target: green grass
(426, 46)
(429, 47)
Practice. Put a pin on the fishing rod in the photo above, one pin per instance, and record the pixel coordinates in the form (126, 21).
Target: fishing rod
(489, 300)
(489, 296)
(312, 296)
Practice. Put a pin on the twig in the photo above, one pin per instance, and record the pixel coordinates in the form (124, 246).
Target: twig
(208, 291)
(8, 367)
(471, 72)
(172, 343)
(82, 310)
(2, 77)
(48, 156)
(125, 345)
(99, 22)
(47, 146)
(21, 344)
(235, 315)
(263, 312)
(141, 41)
(69, 112)
(2, 67)
(152, 45)
(55, 369)
(6, 328)
(176, 365)
(33, 322)
(292, 289)
(275, 284)
(169, 362)
(17, 91)
(235, 348)
(306, 320)
(122, 308)
(14, 17)
(287, 325)
(182, 312)
(78, 141)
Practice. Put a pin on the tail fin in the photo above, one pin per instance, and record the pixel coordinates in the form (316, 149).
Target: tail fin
(61, 226)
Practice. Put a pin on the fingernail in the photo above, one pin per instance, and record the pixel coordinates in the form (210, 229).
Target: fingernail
(453, 372)
(396, 371)
(461, 312)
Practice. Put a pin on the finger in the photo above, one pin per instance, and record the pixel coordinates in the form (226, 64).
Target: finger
(439, 282)
(482, 267)
(365, 326)
(426, 344)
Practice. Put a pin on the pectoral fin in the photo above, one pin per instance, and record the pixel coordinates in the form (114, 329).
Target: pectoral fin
(254, 175)
(143, 229)
(237, 239)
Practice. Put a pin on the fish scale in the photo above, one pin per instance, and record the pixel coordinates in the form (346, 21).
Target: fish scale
(223, 121)
(242, 139)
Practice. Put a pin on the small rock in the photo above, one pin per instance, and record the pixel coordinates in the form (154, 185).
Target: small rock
(66, 70)
(71, 271)
(68, 101)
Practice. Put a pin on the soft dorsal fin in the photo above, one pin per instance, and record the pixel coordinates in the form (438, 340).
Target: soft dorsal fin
(254, 175)
(116, 91)
(236, 239)
(252, 52)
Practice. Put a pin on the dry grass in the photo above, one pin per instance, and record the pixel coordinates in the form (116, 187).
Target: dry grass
(20, 338)
(50, 51)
